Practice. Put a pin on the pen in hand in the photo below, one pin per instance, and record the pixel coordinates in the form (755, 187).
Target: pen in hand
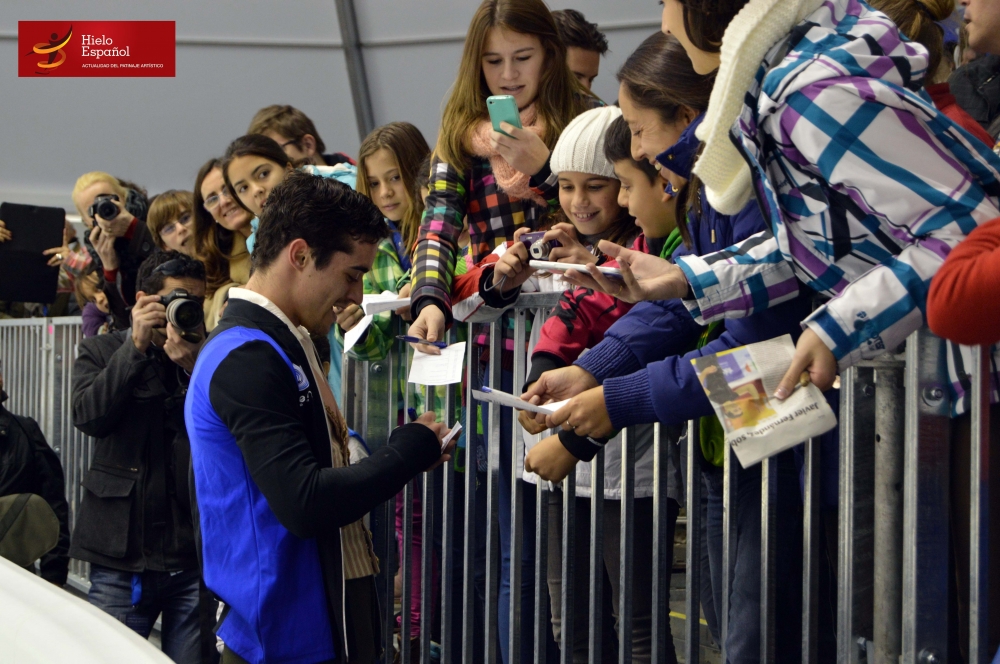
(415, 340)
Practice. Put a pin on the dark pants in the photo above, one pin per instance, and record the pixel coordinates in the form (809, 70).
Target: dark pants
(961, 482)
(175, 595)
(477, 599)
(527, 589)
(743, 642)
(642, 576)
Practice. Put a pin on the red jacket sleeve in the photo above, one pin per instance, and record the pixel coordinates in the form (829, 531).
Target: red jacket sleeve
(579, 321)
(962, 305)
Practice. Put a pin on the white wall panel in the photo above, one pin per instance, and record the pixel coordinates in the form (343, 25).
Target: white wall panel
(158, 131)
(233, 57)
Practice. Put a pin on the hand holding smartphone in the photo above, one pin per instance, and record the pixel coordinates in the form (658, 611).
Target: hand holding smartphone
(503, 108)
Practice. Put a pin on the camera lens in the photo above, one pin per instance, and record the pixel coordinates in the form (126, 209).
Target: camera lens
(185, 314)
(540, 250)
(107, 210)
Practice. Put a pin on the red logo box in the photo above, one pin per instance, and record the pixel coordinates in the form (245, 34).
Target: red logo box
(96, 48)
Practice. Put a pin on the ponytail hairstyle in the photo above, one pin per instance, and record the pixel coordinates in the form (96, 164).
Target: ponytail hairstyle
(410, 150)
(916, 19)
(560, 96)
(705, 21)
(256, 145)
(212, 242)
(659, 76)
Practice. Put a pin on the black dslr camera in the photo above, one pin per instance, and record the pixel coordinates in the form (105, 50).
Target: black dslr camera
(104, 207)
(184, 312)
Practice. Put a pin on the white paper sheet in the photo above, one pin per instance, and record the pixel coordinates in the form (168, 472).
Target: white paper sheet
(352, 336)
(387, 301)
(456, 429)
(505, 399)
(443, 369)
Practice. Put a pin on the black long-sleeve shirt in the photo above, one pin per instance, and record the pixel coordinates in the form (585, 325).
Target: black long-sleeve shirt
(29, 465)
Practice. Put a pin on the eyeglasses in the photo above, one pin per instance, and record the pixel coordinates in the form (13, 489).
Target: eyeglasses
(214, 199)
(169, 229)
(284, 145)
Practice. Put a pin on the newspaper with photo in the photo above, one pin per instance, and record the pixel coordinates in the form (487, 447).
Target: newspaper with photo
(741, 383)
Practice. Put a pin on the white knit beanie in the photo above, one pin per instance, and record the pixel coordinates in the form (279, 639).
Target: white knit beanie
(581, 146)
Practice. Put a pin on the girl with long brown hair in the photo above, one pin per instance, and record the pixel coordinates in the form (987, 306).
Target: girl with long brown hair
(388, 162)
(221, 227)
(502, 183)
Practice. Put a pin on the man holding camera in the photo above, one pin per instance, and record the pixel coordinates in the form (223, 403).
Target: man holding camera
(135, 525)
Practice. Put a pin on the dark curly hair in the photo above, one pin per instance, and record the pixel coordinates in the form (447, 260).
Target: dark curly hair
(327, 214)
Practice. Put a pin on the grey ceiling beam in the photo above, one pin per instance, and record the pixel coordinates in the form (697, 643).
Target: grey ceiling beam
(360, 92)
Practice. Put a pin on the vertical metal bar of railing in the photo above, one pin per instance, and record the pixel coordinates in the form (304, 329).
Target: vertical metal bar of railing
(810, 552)
(926, 501)
(729, 488)
(856, 512)
(626, 544)
(768, 547)
(692, 569)
(542, 620)
(493, 499)
(405, 560)
(469, 546)
(447, 527)
(567, 594)
(979, 500)
(541, 572)
(395, 356)
(517, 467)
(596, 578)
(887, 576)
(427, 504)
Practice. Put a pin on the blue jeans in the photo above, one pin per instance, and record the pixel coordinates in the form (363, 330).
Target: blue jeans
(174, 594)
(743, 639)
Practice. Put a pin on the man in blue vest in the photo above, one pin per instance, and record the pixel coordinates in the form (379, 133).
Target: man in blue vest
(280, 506)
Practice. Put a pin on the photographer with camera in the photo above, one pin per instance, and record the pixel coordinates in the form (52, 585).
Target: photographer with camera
(135, 525)
(118, 239)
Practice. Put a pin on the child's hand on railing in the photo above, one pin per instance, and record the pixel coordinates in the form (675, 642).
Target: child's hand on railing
(550, 460)
(585, 415)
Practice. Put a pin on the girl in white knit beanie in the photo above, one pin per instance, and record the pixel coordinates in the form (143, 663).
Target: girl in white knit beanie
(588, 204)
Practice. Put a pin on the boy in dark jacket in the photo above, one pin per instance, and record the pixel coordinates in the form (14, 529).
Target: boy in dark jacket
(134, 526)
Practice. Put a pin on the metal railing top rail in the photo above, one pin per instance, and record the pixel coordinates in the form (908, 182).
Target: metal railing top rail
(524, 301)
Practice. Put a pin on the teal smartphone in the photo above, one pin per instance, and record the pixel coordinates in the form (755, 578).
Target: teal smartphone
(503, 108)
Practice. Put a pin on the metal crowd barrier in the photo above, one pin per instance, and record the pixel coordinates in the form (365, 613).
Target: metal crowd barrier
(38, 355)
(893, 535)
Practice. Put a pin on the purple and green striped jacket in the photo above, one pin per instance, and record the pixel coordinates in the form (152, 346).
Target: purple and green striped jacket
(866, 187)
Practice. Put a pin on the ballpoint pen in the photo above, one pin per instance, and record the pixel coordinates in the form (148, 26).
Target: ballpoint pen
(414, 340)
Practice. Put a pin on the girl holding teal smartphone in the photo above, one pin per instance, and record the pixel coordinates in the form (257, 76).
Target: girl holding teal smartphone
(501, 182)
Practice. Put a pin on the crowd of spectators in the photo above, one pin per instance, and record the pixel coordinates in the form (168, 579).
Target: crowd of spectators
(826, 170)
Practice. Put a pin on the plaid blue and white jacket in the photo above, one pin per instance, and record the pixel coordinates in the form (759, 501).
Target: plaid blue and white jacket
(866, 186)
